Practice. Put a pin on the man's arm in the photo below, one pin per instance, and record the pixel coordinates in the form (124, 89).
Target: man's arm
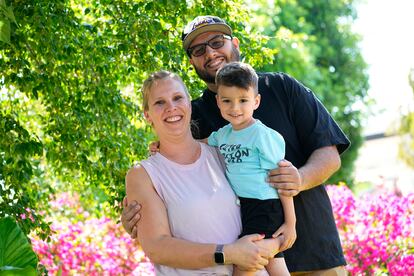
(321, 164)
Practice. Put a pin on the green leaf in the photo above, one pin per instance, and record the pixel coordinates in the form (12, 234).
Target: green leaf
(14, 271)
(5, 30)
(10, 15)
(7, 11)
(15, 249)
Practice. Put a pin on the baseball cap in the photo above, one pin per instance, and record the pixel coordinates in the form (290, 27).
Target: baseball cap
(202, 24)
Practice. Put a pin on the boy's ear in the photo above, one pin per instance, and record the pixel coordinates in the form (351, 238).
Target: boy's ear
(257, 101)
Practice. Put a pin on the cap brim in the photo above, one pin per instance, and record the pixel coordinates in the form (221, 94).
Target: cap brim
(223, 28)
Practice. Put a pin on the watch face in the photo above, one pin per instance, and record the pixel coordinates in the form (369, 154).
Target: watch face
(219, 257)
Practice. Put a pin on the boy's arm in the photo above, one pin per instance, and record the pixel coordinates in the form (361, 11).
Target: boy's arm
(288, 229)
(272, 149)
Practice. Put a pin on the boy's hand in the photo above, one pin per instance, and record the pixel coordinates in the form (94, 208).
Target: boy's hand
(289, 233)
(272, 245)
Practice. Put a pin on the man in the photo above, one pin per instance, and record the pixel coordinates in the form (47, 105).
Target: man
(313, 144)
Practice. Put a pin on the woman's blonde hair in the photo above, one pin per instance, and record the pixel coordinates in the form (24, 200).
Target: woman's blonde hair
(152, 79)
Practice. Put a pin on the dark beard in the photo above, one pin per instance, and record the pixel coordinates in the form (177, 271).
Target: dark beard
(208, 78)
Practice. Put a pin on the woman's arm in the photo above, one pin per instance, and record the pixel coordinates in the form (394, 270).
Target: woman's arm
(159, 245)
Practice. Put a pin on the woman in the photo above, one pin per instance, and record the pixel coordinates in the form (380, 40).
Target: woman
(188, 209)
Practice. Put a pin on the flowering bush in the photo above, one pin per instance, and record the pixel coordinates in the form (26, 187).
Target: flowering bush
(376, 231)
(94, 246)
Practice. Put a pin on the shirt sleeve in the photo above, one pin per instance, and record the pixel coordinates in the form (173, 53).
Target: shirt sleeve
(271, 147)
(212, 139)
(315, 126)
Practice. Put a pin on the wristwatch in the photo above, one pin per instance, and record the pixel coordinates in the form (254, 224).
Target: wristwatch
(219, 255)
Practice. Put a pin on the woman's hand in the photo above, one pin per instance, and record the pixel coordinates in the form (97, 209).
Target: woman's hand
(272, 246)
(246, 254)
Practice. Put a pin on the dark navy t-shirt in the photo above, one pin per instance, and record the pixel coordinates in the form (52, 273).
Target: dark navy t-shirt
(293, 110)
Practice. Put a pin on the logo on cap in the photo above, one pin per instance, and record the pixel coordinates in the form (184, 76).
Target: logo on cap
(203, 24)
(200, 23)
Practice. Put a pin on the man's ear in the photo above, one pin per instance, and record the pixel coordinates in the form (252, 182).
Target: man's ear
(191, 61)
(235, 42)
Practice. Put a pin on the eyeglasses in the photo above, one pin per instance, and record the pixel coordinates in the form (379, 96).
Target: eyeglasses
(214, 43)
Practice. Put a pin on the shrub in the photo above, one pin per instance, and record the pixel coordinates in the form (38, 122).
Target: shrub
(82, 244)
(376, 231)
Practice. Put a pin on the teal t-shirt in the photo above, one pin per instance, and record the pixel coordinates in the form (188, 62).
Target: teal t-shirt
(249, 154)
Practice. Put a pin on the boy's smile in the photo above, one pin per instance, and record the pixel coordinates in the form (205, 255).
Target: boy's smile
(237, 105)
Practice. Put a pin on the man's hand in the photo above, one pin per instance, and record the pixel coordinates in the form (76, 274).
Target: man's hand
(154, 147)
(288, 232)
(130, 217)
(287, 179)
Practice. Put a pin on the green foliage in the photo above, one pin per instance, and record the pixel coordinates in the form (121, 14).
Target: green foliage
(16, 254)
(406, 146)
(317, 47)
(69, 101)
(19, 158)
(71, 70)
(6, 18)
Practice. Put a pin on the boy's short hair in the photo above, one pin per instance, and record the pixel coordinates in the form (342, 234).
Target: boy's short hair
(238, 74)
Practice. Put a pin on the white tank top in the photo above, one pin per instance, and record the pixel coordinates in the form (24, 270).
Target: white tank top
(200, 203)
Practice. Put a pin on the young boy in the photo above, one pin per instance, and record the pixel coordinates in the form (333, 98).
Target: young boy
(250, 149)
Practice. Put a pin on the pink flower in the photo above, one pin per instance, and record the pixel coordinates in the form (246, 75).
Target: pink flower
(376, 231)
(91, 246)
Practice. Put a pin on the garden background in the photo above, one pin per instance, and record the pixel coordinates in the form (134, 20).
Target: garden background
(71, 123)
